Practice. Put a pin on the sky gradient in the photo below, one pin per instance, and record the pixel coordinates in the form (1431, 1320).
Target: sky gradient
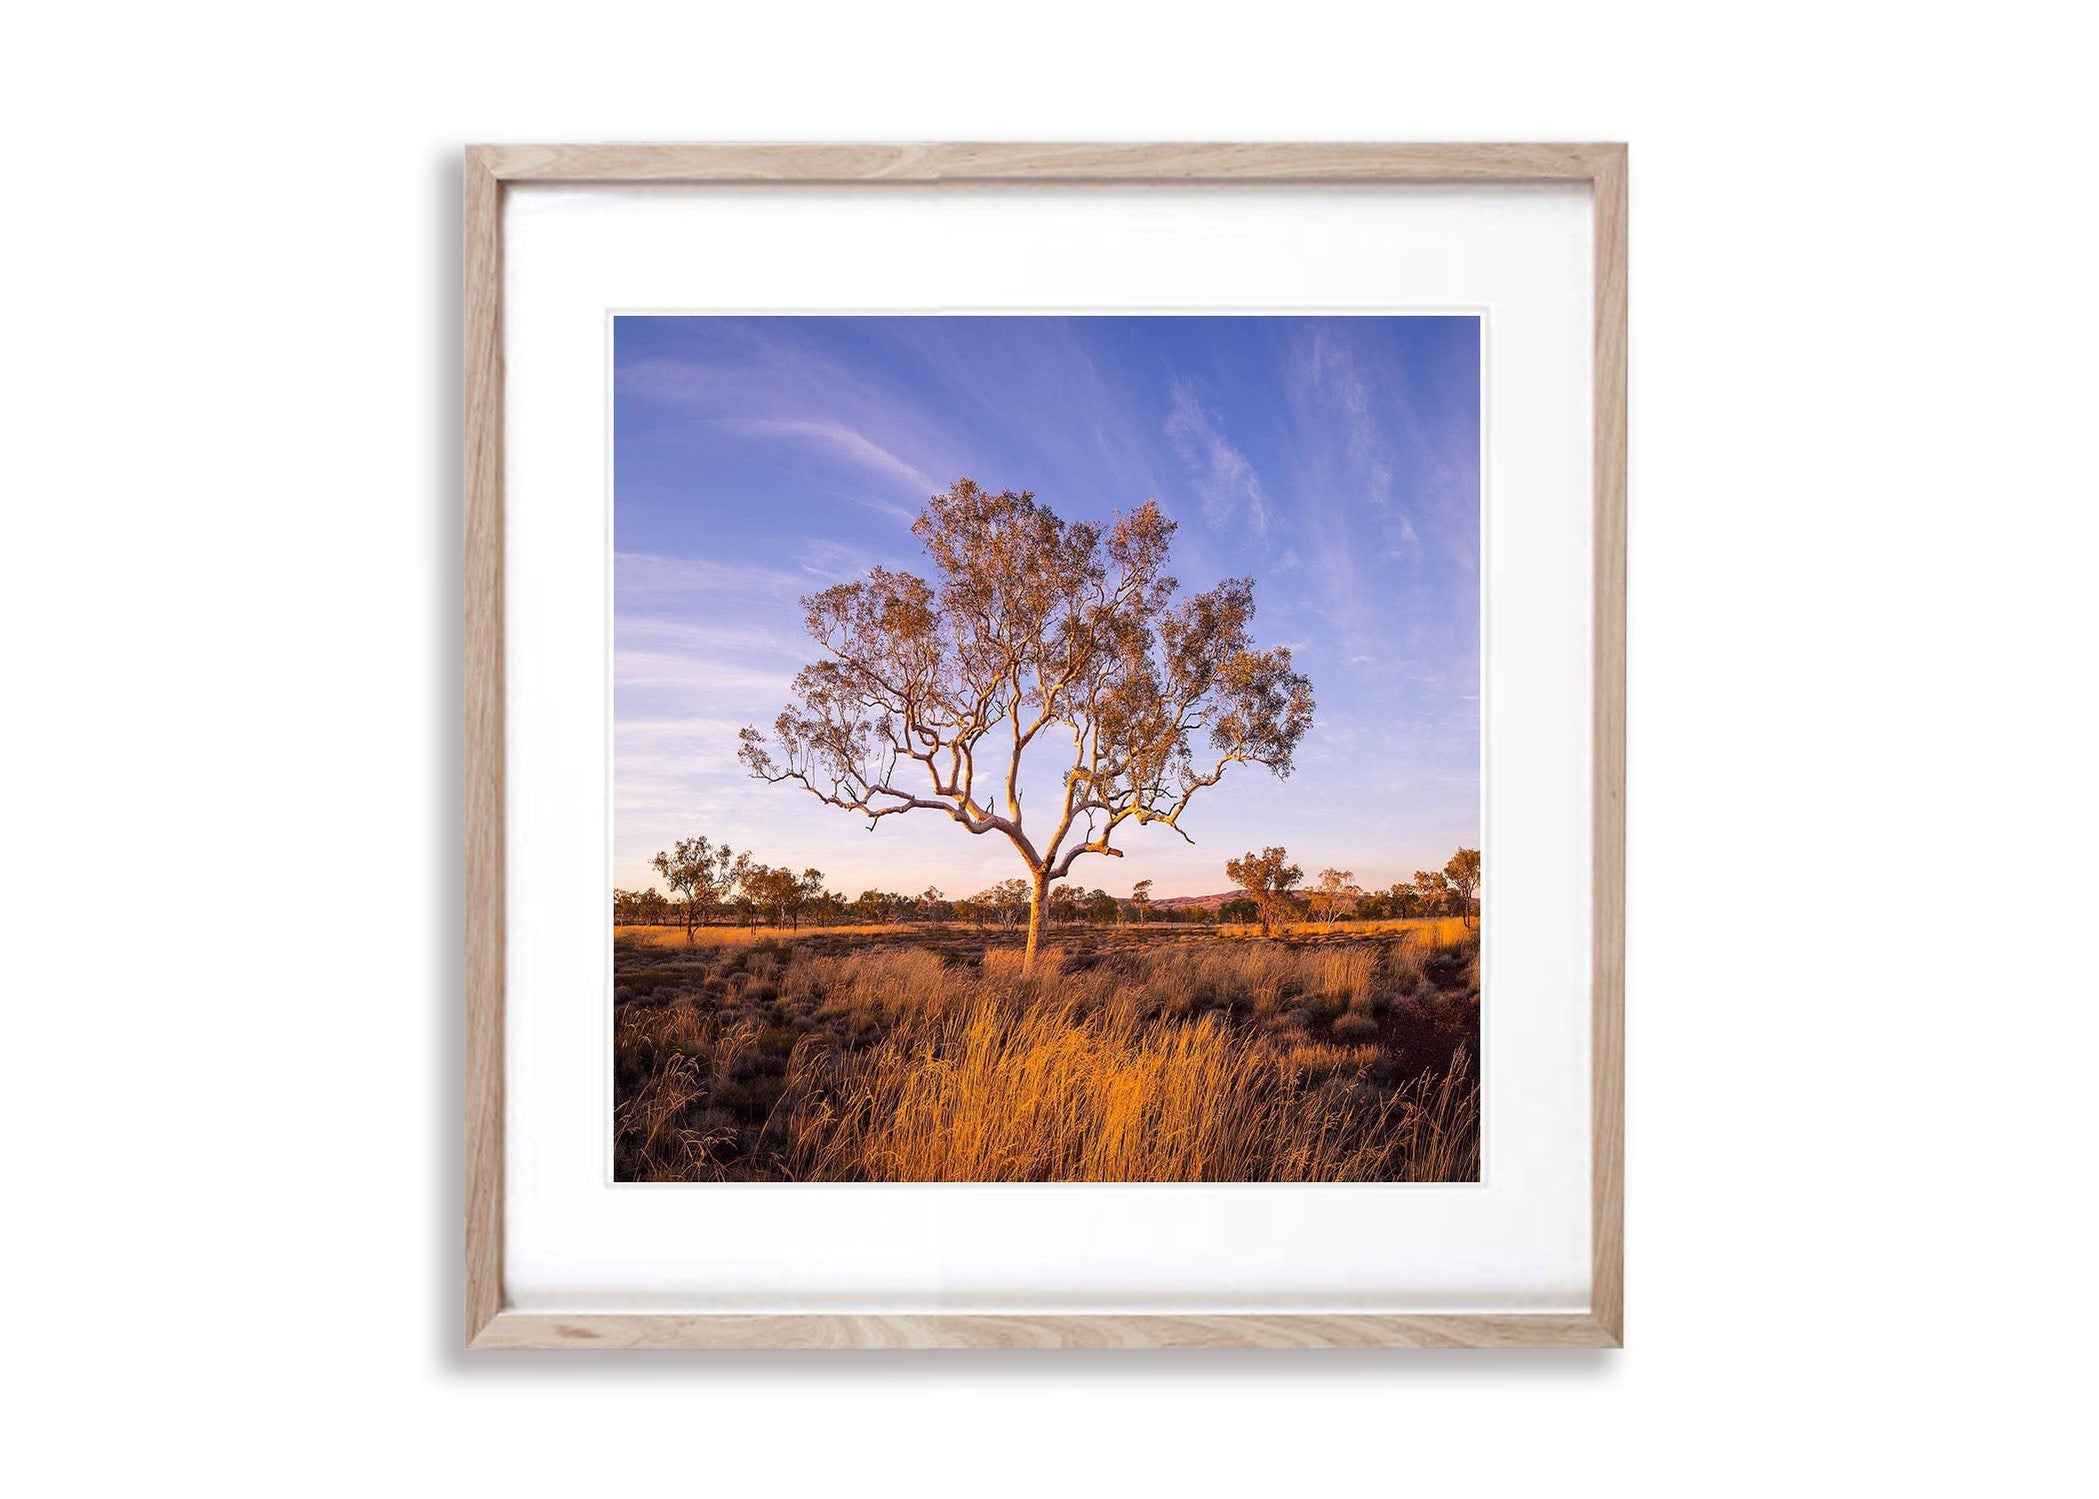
(1334, 460)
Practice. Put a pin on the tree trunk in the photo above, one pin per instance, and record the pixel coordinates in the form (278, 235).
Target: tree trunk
(1038, 907)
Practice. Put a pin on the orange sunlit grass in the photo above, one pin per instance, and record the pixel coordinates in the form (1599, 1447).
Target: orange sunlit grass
(865, 1056)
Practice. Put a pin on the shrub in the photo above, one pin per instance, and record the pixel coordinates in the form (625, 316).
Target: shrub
(1446, 966)
(1355, 1026)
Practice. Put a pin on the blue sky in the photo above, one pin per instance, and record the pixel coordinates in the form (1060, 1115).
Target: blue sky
(1334, 460)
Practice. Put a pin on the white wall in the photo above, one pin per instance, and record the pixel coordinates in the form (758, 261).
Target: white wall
(1861, 1009)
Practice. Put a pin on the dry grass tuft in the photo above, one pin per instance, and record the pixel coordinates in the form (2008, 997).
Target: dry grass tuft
(1355, 1026)
(1001, 965)
(1347, 974)
(1049, 1094)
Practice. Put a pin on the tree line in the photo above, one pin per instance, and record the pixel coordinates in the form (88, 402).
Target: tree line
(1275, 892)
(710, 885)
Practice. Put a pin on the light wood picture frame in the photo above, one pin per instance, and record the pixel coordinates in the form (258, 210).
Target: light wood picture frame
(490, 171)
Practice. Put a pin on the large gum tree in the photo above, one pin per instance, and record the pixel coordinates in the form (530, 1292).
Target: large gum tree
(1036, 640)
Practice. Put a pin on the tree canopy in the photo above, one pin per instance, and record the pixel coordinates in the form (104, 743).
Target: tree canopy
(700, 874)
(1268, 878)
(1463, 873)
(930, 694)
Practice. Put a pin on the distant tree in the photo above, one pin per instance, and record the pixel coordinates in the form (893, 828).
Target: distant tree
(1334, 895)
(1239, 908)
(700, 875)
(781, 895)
(806, 894)
(882, 907)
(1005, 903)
(1140, 901)
(825, 907)
(1100, 907)
(1033, 625)
(1064, 903)
(626, 906)
(933, 906)
(765, 892)
(1268, 878)
(1463, 872)
(652, 907)
(1432, 891)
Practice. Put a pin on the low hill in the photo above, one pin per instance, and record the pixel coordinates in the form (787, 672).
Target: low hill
(1194, 902)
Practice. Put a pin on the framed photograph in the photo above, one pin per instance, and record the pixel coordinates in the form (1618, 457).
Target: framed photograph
(1045, 745)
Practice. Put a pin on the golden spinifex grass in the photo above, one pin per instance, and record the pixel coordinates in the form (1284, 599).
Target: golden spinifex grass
(1053, 1094)
(1437, 930)
(1117, 1059)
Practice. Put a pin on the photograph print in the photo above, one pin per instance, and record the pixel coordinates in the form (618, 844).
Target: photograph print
(1046, 749)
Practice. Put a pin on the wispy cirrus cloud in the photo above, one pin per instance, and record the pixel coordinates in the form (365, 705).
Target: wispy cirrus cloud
(654, 575)
(734, 642)
(843, 442)
(834, 562)
(1325, 373)
(1223, 476)
(1331, 370)
(741, 387)
(709, 679)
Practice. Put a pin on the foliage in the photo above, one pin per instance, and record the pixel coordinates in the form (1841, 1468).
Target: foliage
(1463, 875)
(1268, 877)
(1004, 903)
(638, 907)
(779, 895)
(1335, 895)
(700, 874)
